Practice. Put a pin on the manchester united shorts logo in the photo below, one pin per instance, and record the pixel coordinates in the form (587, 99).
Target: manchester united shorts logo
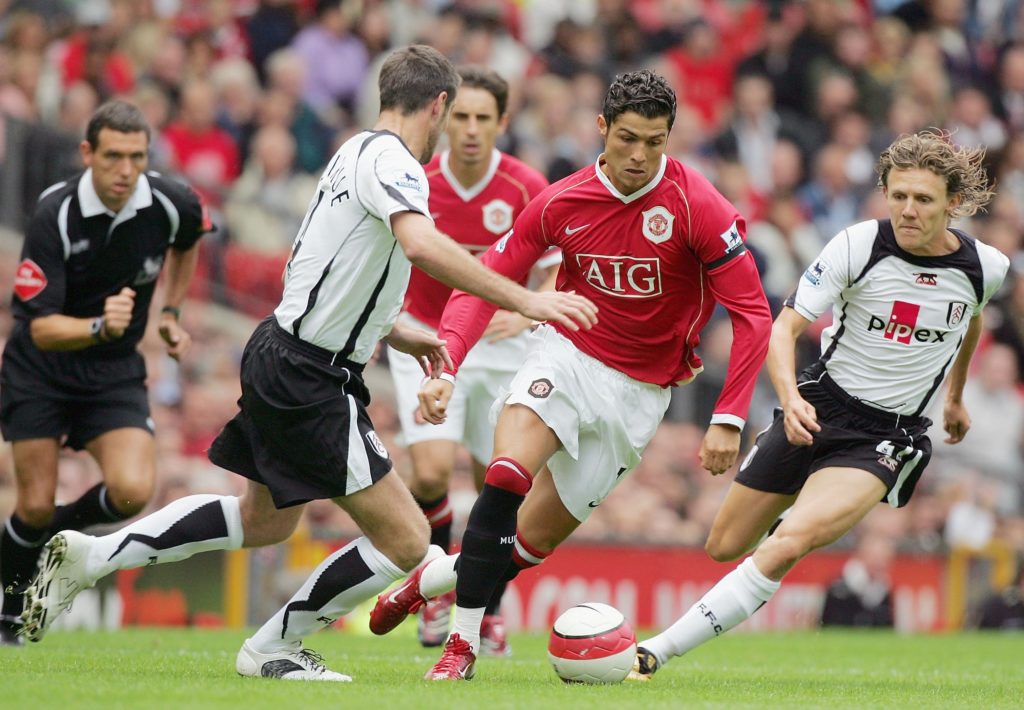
(541, 388)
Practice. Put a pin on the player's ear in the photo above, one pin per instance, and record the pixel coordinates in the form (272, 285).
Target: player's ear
(602, 125)
(503, 123)
(439, 106)
(86, 152)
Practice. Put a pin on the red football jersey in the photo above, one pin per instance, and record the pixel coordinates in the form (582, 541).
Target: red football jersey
(655, 262)
(475, 217)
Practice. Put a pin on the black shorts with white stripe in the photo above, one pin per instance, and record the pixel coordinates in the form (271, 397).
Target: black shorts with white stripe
(853, 434)
(303, 430)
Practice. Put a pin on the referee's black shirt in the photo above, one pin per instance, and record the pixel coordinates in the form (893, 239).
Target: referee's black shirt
(77, 252)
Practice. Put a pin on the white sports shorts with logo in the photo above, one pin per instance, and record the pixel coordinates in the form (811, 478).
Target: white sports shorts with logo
(483, 377)
(604, 418)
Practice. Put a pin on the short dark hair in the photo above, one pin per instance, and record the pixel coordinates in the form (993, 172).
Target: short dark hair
(412, 77)
(490, 81)
(642, 92)
(116, 115)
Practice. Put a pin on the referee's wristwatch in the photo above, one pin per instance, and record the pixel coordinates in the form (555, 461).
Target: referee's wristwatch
(98, 330)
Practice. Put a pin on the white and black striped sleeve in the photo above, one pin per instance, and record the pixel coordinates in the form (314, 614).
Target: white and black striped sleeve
(390, 180)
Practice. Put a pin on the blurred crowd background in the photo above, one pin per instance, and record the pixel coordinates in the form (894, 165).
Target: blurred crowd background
(784, 105)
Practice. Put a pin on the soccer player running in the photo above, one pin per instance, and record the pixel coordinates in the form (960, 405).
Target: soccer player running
(72, 375)
(476, 192)
(653, 243)
(907, 295)
(303, 432)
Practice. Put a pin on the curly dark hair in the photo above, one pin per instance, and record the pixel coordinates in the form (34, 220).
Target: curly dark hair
(642, 92)
(931, 149)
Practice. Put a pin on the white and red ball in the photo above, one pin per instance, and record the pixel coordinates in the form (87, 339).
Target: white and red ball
(592, 643)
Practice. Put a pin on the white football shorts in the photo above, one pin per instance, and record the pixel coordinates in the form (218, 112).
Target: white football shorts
(482, 378)
(603, 417)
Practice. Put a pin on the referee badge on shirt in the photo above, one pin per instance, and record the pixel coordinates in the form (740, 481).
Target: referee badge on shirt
(657, 224)
(29, 280)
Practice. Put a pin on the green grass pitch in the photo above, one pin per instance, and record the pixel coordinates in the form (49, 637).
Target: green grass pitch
(163, 668)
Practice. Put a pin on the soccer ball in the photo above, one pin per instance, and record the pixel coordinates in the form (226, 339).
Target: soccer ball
(592, 643)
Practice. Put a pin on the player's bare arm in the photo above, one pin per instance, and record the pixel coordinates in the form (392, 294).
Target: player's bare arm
(509, 324)
(800, 419)
(181, 265)
(449, 263)
(60, 332)
(955, 419)
(427, 348)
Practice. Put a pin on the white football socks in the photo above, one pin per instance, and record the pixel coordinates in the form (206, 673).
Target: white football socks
(439, 575)
(467, 625)
(733, 600)
(177, 531)
(351, 575)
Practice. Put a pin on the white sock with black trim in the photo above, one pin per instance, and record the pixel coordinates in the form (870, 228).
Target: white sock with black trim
(177, 531)
(733, 600)
(346, 578)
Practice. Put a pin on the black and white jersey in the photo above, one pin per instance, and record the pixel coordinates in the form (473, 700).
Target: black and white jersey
(77, 252)
(898, 319)
(347, 275)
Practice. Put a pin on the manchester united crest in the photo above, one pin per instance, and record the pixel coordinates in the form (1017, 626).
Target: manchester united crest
(657, 224)
(497, 216)
(541, 388)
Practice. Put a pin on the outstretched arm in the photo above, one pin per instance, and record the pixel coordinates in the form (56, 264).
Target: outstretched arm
(955, 420)
(446, 261)
(799, 418)
(738, 288)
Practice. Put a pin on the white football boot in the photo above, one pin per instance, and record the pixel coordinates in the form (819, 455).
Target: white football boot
(62, 575)
(301, 664)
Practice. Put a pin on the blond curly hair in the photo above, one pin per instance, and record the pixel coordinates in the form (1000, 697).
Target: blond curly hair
(963, 168)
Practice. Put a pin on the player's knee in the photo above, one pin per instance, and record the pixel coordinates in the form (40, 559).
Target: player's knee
(429, 483)
(37, 513)
(129, 497)
(722, 549)
(787, 547)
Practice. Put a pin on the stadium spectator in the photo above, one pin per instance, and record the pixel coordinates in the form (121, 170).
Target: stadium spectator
(851, 430)
(862, 596)
(71, 373)
(1004, 610)
(476, 193)
(318, 340)
(267, 203)
(325, 45)
(561, 443)
(286, 73)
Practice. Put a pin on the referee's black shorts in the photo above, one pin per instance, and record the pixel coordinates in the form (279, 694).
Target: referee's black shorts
(853, 434)
(70, 394)
(303, 430)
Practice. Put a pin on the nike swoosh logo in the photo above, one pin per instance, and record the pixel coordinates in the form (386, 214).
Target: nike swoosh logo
(594, 503)
(569, 232)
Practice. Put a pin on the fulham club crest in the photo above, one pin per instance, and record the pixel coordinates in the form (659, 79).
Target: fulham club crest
(955, 313)
(657, 224)
(541, 388)
(497, 216)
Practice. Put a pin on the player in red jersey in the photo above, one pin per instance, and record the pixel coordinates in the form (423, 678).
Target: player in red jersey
(656, 247)
(476, 192)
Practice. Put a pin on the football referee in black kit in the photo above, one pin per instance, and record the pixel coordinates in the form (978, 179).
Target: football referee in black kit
(71, 373)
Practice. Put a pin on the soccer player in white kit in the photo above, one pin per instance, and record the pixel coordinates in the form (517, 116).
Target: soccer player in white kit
(656, 246)
(303, 432)
(907, 295)
(476, 192)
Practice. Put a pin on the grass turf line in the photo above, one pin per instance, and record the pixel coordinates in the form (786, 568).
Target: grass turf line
(165, 668)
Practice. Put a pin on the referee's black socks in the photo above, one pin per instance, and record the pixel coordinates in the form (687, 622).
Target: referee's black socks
(20, 547)
(93, 508)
